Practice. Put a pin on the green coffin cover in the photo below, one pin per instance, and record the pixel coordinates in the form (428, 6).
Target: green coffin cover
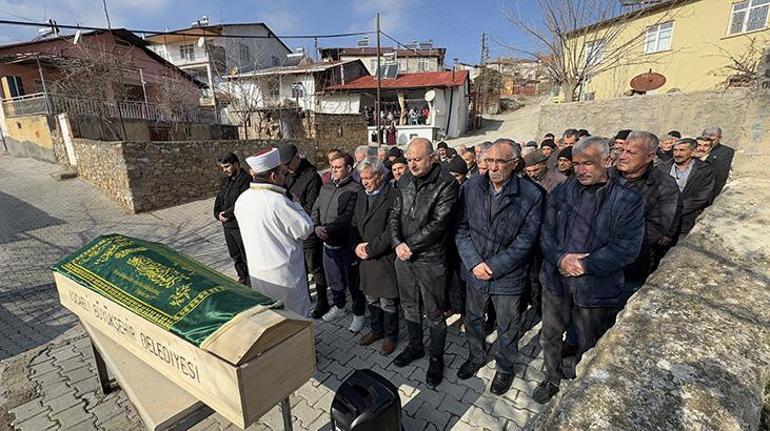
(164, 287)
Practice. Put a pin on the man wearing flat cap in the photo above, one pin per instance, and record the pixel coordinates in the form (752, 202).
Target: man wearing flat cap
(273, 228)
(536, 169)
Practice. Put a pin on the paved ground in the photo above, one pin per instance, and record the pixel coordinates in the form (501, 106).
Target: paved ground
(47, 377)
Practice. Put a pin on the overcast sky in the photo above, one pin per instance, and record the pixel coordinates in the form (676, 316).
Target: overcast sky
(453, 24)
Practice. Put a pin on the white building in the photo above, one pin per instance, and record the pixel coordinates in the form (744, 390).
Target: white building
(210, 53)
(443, 96)
(294, 86)
(422, 58)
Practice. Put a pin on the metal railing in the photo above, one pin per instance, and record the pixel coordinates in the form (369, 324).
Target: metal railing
(36, 104)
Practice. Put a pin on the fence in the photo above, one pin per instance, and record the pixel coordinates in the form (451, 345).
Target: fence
(54, 104)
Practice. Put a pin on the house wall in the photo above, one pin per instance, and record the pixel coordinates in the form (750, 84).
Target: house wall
(698, 55)
(339, 103)
(406, 64)
(31, 136)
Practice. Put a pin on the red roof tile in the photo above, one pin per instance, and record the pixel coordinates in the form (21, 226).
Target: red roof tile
(407, 80)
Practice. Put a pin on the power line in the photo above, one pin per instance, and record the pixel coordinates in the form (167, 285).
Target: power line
(189, 32)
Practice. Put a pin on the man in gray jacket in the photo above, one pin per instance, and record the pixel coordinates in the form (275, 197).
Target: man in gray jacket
(332, 216)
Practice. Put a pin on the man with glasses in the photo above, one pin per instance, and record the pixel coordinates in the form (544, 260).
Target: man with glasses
(499, 218)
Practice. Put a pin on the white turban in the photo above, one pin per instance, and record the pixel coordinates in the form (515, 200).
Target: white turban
(264, 160)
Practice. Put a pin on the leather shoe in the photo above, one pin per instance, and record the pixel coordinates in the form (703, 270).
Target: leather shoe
(409, 355)
(435, 371)
(501, 383)
(544, 392)
(388, 346)
(369, 338)
(468, 369)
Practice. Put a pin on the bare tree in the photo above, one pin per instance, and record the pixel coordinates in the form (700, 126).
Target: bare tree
(742, 69)
(175, 103)
(576, 40)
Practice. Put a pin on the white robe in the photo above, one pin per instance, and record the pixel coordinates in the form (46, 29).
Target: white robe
(273, 228)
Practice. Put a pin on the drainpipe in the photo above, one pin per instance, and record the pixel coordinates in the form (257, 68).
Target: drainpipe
(45, 91)
(449, 115)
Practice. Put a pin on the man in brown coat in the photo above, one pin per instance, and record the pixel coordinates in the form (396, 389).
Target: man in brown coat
(537, 170)
(377, 271)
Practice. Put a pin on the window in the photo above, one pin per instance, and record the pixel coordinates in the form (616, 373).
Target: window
(658, 37)
(594, 52)
(245, 54)
(749, 15)
(422, 65)
(276, 61)
(187, 52)
(297, 91)
(402, 64)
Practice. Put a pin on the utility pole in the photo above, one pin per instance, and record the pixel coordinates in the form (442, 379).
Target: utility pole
(106, 14)
(373, 151)
(481, 88)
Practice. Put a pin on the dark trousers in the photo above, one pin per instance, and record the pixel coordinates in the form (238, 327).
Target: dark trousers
(424, 280)
(383, 316)
(314, 266)
(237, 253)
(341, 269)
(508, 316)
(558, 310)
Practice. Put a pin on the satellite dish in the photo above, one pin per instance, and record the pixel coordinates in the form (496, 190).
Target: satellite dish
(648, 81)
(77, 38)
(201, 42)
(430, 95)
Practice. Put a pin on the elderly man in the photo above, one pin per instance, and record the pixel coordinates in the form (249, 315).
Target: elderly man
(499, 219)
(234, 182)
(360, 154)
(398, 169)
(535, 168)
(665, 148)
(332, 215)
(420, 225)
(441, 152)
(695, 180)
(481, 149)
(720, 157)
(593, 228)
(547, 148)
(617, 143)
(274, 228)
(660, 195)
(469, 156)
(304, 183)
(377, 273)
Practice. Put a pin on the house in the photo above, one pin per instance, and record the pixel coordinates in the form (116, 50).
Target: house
(251, 96)
(689, 42)
(211, 52)
(110, 77)
(422, 58)
(444, 96)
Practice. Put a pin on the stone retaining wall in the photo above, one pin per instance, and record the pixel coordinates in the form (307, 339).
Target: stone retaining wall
(143, 176)
(689, 113)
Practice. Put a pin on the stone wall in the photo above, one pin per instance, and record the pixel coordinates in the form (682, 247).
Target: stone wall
(344, 131)
(689, 113)
(143, 176)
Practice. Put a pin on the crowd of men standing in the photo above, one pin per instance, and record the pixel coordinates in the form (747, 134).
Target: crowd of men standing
(569, 229)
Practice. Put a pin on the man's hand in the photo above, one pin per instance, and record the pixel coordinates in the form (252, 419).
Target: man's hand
(361, 251)
(482, 271)
(571, 264)
(403, 252)
(320, 232)
(222, 217)
(664, 241)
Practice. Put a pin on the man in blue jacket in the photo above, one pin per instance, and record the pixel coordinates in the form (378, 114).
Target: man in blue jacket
(499, 218)
(593, 227)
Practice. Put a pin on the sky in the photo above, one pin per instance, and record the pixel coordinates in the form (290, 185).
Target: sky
(453, 24)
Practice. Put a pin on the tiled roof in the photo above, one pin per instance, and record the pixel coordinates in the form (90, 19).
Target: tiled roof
(407, 80)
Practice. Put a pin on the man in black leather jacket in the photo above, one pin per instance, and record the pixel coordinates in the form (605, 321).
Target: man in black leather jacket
(419, 225)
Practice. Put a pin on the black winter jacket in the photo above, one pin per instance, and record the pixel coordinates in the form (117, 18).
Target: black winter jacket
(229, 190)
(697, 194)
(334, 210)
(305, 185)
(422, 217)
(721, 160)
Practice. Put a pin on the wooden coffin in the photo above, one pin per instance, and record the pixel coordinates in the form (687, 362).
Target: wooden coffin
(243, 370)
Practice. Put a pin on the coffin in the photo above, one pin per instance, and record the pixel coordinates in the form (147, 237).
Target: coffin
(234, 349)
